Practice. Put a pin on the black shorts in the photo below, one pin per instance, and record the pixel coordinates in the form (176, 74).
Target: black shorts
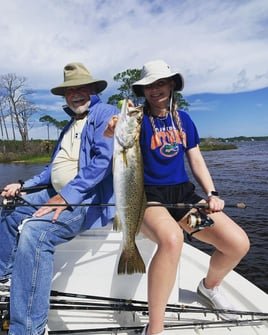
(172, 194)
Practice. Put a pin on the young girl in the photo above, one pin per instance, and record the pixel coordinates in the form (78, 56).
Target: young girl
(167, 136)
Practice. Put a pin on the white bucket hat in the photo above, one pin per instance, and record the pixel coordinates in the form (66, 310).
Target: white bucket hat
(155, 70)
(76, 74)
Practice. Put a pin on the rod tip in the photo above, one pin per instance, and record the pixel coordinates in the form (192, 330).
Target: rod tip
(241, 205)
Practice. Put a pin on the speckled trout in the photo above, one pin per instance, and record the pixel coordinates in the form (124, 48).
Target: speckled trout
(130, 198)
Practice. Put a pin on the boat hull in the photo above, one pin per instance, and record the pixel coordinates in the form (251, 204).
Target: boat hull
(89, 297)
(88, 265)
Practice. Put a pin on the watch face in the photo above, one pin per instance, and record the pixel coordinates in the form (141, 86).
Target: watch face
(215, 193)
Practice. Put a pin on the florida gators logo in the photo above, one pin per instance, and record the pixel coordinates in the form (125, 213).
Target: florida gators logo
(168, 142)
(169, 149)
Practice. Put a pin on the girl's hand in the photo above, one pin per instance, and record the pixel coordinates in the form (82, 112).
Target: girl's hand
(216, 204)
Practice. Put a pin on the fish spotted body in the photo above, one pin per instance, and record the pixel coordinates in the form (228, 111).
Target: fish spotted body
(130, 198)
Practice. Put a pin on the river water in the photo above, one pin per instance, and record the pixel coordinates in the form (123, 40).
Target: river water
(240, 175)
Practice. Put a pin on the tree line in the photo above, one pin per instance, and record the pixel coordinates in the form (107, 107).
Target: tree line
(17, 106)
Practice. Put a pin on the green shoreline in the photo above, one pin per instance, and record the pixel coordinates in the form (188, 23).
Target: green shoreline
(45, 158)
(40, 151)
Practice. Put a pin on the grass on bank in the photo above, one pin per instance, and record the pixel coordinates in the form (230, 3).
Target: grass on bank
(34, 152)
(29, 159)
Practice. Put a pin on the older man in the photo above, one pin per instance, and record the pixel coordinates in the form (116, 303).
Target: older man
(80, 171)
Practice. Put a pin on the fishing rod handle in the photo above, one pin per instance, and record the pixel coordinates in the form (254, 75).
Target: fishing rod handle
(31, 188)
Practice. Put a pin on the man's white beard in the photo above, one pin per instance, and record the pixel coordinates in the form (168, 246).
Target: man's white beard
(81, 109)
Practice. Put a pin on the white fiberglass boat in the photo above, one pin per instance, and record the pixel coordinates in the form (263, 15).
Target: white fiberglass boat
(90, 297)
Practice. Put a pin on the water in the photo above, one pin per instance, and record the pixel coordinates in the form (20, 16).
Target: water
(240, 176)
(11, 173)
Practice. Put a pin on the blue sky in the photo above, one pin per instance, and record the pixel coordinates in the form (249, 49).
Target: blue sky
(233, 114)
(220, 47)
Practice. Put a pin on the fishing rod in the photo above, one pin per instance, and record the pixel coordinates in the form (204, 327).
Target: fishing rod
(127, 305)
(19, 201)
(179, 309)
(173, 326)
(185, 323)
(195, 219)
(92, 302)
(83, 298)
(138, 329)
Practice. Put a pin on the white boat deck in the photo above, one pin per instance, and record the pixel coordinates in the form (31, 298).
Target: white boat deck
(88, 265)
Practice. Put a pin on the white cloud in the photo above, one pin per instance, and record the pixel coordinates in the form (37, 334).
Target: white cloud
(200, 105)
(218, 45)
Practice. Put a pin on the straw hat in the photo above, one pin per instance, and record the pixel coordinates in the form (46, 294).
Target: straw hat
(155, 70)
(76, 74)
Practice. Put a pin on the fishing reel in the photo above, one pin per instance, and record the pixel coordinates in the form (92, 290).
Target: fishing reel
(11, 203)
(4, 314)
(199, 221)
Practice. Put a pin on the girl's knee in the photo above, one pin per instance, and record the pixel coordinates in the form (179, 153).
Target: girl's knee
(240, 245)
(245, 244)
(172, 241)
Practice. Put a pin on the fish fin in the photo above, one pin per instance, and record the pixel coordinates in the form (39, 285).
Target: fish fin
(117, 224)
(124, 157)
(130, 263)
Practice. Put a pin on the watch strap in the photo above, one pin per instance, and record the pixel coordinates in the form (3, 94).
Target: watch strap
(213, 194)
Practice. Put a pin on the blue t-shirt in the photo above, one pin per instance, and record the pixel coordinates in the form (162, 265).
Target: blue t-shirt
(162, 149)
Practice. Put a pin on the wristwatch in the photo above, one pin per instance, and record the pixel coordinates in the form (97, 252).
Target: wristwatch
(213, 193)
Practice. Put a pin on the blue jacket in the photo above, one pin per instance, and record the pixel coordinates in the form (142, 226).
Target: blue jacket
(94, 181)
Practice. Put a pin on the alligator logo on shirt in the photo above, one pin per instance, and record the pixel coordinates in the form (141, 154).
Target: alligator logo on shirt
(169, 149)
(167, 141)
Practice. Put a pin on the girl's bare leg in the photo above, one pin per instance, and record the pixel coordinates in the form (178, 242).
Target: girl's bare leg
(231, 243)
(160, 227)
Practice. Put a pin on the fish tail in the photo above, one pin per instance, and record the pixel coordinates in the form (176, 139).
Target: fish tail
(131, 262)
